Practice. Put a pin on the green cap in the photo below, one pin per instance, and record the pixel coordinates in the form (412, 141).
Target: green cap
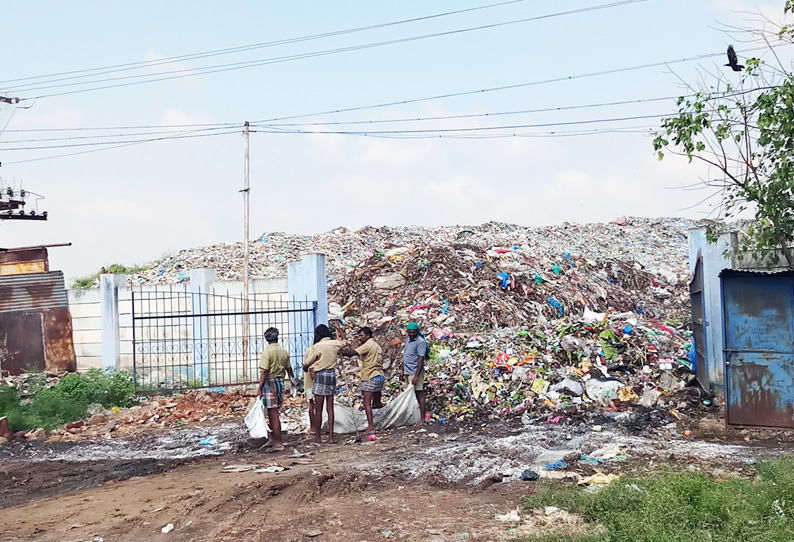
(412, 325)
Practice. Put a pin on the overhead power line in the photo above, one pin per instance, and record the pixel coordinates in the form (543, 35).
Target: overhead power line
(347, 132)
(499, 88)
(244, 48)
(107, 136)
(477, 128)
(192, 72)
(166, 129)
(352, 122)
(103, 143)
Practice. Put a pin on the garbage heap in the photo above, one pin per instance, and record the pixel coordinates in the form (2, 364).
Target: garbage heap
(657, 244)
(520, 319)
(537, 320)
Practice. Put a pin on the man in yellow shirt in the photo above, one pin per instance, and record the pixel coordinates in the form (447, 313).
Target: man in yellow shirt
(320, 362)
(372, 377)
(275, 365)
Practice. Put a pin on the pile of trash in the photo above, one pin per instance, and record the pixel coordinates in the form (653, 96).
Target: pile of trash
(657, 245)
(519, 318)
(558, 369)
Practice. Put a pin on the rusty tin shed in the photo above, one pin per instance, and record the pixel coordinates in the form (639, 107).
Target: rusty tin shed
(35, 322)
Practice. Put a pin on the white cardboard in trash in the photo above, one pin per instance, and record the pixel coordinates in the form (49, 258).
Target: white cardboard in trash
(400, 411)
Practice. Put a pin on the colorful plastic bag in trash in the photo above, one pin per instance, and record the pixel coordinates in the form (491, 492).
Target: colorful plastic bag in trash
(504, 277)
(256, 420)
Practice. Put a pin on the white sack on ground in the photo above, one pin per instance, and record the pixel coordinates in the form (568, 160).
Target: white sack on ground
(400, 411)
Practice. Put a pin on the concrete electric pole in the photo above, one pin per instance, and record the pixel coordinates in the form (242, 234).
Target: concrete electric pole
(246, 205)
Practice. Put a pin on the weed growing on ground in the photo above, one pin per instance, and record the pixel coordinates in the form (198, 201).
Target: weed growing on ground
(682, 507)
(89, 281)
(67, 401)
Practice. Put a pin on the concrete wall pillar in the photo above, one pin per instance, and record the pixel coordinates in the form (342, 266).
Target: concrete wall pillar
(306, 283)
(200, 280)
(109, 285)
(714, 261)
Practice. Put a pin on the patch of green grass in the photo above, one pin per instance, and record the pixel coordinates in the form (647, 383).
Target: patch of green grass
(67, 401)
(682, 507)
(88, 281)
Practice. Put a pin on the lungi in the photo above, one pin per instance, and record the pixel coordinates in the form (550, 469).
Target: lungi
(324, 382)
(273, 393)
(374, 384)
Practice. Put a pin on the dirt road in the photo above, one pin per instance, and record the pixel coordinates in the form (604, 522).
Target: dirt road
(445, 483)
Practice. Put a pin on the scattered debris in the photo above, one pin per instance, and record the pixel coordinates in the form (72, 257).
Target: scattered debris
(512, 516)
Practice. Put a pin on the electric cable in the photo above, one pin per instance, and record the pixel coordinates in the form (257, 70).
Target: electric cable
(192, 72)
(244, 48)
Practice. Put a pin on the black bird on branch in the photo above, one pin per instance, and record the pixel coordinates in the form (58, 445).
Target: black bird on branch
(733, 62)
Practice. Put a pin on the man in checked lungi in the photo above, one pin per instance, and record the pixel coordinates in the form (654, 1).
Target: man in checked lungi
(372, 377)
(275, 365)
(320, 361)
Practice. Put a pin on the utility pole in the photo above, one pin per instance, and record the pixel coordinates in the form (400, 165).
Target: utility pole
(246, 205)
(6, 99)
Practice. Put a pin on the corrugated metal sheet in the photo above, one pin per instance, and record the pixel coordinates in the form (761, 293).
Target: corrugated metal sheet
(21, 342)
(58, 343)
(30, 292)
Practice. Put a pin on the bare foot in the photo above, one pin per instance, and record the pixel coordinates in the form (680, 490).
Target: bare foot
(369, 432)
(331, 440)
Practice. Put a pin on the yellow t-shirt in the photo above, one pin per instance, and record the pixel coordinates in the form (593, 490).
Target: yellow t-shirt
(276, 360)
(323, 355)
(371, 363)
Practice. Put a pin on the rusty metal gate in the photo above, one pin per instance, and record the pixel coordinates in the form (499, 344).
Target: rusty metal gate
(183, 339)
(758, 324)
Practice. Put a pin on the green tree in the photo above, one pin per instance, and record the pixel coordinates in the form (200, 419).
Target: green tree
(742, 126)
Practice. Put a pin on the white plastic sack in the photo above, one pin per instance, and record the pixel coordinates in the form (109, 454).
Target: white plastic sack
(256, 420)
(398, 412)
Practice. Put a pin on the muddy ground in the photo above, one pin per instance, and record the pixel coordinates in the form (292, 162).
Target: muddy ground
(445, 482)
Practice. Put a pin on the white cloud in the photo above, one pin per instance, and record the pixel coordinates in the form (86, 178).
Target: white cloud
(172, 117)
(397, 154)
(46, 115)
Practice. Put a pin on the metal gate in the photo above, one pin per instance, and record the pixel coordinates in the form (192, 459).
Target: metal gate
(183, 339)
(759, 348)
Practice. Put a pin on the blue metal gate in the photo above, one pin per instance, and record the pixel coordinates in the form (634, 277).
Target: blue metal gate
(758, 324)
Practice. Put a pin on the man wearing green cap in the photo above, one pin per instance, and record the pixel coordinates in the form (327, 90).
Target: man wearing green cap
(414, 363)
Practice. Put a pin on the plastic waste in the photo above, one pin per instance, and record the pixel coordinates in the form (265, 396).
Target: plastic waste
(511, 517)
(256, 420)
(209, 441)
(557, 465)
(649, 398)
(599, 389)
(529, 475)
(571, 386)
(557, 305)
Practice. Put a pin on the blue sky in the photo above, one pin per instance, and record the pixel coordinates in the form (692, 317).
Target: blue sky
(134, 204)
